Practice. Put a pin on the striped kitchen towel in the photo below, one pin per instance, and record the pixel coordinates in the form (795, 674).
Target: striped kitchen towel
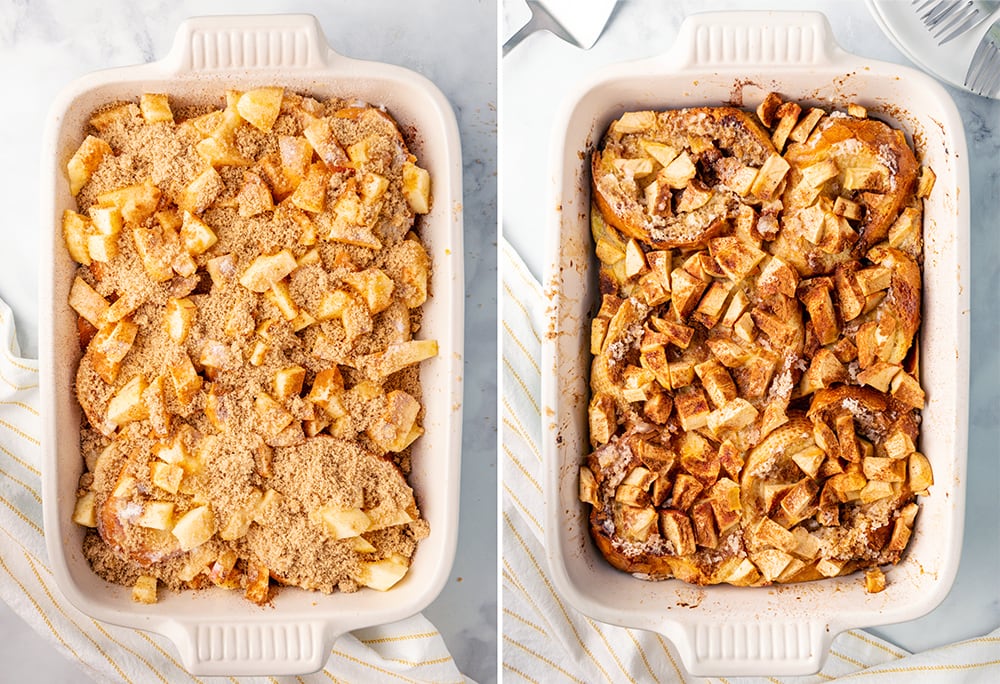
(546, 640)
(411, 650)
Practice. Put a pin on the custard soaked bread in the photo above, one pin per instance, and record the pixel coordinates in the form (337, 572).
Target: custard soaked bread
(755, 397)
(249, 288)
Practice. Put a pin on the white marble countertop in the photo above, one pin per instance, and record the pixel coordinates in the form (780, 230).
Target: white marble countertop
(46, 44)
(538, 75)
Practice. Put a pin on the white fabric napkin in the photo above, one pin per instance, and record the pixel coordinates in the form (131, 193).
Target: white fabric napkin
(546, 640)
(410, 650)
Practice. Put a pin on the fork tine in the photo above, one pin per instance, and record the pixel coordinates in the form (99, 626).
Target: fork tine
(988, 85)
(992, 85)
(962, 22)
(984, 69)
(940, 11)
(972, 76)
(947, 19)
(950, 21)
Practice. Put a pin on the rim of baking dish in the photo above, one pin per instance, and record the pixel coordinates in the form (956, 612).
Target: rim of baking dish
(219, 632)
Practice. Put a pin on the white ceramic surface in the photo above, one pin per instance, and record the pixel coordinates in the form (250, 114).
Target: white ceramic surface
(45, 45)
(739, 57)
(539, 74)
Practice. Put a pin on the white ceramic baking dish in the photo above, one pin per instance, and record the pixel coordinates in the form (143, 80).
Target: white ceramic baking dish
(737, 58)
(219, 632)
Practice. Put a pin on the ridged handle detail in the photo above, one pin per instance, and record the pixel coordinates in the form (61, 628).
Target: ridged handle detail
(751, 39)
(252, 647)
(249, 42)
(756, 648)
(774, 641)
(254, 642)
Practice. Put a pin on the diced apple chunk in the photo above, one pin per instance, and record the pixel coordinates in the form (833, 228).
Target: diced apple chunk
(187, 382)
(85, 510)
(102, 248)
(343, 305)
(156, 407)
(144, 589)
(258, 583)
(358, 152)
(634, 122)
(199, 194)
(296, 156)
(267, 506)
(221, 269)
(155, 108)
(254, 196)
(925, 182)
(266, 270)
(663, 154)
(678, 172)
(259, 353)
(281, 296)
(221, 152)
(174, 453)
(127, 405)
(288, 382)
(118, 112)
(106, 220)
(394, 430)
(310, 195)
(348, 224)
(320, 136)
(77, 230)
(374, 286)
(384, 574)
(261, 106)
(414, 274)
(166, 476)
(239, 522)
(273, 416)
(373, 186)
(194, 528)
(919, 471)
(157, 515)
(157, 247)
(85, 161)
(326, 388)
(180, 315)
(417, 188)
(343, 523)
(135, 202)
(87, 302)
(770, 176)
(398, 356)
(196, 235)
(874, 580)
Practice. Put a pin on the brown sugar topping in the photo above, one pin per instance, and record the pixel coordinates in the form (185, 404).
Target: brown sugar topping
(251, 392)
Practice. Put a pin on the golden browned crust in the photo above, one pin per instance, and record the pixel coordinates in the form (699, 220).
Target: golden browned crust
(755, 409)
(704, 132)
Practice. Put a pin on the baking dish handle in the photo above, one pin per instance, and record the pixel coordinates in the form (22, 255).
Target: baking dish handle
(251, 647)
(253, 42)
(755, 39)
(754, 648)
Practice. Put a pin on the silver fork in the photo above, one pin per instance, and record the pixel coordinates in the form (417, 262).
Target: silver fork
(983, 76)
(948, 19)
